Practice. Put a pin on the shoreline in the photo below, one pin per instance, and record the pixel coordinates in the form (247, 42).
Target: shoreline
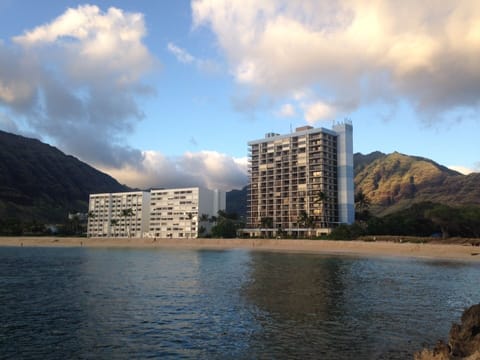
(462, 252)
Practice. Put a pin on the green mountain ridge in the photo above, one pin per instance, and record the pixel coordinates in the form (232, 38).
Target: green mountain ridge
(39, 182)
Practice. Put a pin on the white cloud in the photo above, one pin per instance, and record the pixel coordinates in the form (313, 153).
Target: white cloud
(318, 111)
(181, 54)
(287, 110)
(461, 169)
(209, 169)
(352, 51)
(79, 75)
(95, 44)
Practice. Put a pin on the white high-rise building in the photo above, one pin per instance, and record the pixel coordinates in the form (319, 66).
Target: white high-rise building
(175, 213)
(301, 183)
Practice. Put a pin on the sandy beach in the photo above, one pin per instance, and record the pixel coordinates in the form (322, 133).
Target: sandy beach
(462, 252)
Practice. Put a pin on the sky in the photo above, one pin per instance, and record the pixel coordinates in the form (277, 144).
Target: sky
(168, 93)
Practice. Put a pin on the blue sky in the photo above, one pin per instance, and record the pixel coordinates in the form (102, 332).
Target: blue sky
(168, 93)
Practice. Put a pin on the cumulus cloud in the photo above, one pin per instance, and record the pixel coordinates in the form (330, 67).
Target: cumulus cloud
(76, 80)
(352, 52)
(208, 169)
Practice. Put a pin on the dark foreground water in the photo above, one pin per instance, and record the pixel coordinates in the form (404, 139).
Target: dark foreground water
(70, 303)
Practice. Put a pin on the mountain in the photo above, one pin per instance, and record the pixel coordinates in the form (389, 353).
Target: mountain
(237, 202)
(396, 181)
(39, 182)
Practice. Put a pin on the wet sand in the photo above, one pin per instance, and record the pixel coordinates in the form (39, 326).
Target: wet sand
(463, 252)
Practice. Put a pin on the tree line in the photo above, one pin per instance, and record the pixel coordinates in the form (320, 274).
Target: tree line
(426, 219)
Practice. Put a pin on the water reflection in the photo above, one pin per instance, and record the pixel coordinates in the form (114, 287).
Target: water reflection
(295, 287)
(362, 308)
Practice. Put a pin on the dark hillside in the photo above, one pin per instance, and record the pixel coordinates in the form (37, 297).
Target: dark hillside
(39, 182)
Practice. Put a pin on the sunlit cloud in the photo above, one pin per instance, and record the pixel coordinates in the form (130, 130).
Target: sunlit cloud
(461, 169)
(208, 169)
(352, 52)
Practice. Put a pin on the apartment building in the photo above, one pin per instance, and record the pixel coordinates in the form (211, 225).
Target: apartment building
(301, 183)
(175, 213)
(118, 214)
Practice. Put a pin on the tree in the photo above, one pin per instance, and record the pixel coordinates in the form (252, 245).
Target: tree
(126, 213)
(226, 225)
(362, 204)
(266, 222)
(470, 217)
(113, 224)
(444, 217)
(321, 198)
(306, 221)
(225, 228)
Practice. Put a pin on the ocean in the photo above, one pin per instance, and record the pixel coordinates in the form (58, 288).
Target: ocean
(94, 303)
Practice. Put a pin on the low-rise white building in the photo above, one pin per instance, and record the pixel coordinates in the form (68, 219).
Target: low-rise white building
(118, 214)
(175, 213)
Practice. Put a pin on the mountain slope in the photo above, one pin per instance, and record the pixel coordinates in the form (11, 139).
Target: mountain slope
(237, 202)
(396, 181)
(39, 182)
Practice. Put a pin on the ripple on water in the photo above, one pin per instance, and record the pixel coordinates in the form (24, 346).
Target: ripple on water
(133, 303)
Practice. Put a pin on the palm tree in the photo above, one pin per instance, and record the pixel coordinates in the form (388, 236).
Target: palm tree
(362, 202)
(321, 198)
(204, 217)
(126, 212)
(306, 221)
(113, 224)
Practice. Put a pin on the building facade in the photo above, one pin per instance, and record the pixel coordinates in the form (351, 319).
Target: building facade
(118, 214)
(177, 213)
(301, 183)
(174, 213)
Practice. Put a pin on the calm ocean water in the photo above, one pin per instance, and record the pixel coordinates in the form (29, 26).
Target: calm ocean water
(80, 303)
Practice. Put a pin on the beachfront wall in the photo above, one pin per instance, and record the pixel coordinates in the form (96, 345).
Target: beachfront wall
(301, 184)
